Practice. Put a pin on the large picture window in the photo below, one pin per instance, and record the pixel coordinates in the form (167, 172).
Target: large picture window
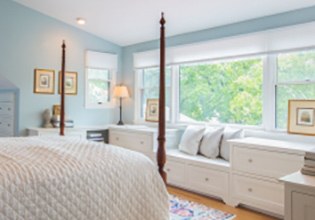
(225, 92)
(250, 91)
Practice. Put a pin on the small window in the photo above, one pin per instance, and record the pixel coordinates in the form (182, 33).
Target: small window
(100, 79)
(149, 83)
(295, 80)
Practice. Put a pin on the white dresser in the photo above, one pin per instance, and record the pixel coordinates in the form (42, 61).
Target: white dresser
(257, 165)
(141, 138)
(8, 114)
(299, 197)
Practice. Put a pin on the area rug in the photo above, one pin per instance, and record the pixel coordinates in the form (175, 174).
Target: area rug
(181, 209)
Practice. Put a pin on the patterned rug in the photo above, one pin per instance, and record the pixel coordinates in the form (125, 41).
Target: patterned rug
(181, 209)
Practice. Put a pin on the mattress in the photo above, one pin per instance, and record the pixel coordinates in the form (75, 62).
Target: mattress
(66, 178)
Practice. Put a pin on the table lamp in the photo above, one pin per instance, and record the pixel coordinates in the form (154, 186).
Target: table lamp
(120, 92)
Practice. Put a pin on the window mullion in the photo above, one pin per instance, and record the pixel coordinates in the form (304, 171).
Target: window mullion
(269, 92)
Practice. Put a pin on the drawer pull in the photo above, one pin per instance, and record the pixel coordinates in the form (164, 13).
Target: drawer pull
(9, 125)
(250, 190)
(250, 160)
(9, 109)
(206, 179)
(117, 138)
(141, 142)
(168, 170)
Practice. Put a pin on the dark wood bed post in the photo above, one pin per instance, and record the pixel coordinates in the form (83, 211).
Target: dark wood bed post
(62, 104)
(161, 153)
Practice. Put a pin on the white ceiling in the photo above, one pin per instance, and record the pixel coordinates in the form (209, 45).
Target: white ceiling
(127, 22)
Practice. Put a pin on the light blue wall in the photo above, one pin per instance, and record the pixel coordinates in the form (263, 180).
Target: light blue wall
(260, 24)
(30, 40)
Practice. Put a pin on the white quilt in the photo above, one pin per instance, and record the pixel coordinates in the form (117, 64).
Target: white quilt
(60, 178)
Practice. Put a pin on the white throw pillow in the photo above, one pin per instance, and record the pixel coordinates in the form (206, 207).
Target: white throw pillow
(210, 143)
(191, 139)
(229, 133)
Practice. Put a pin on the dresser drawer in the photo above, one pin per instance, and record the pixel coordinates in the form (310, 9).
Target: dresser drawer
(208, 181)
(6, 108)
(258, 193)
(176, 173)
(132, 141)
(6, 125)
(265, 163)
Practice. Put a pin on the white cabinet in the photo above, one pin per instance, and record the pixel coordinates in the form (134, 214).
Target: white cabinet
(8, 123)
(140, 138)
(256, 166)
(299, 197)
(198, 174)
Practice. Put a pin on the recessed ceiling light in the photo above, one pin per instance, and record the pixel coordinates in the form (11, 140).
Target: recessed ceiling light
(81, 21)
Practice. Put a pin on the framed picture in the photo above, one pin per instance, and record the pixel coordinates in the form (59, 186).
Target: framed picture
(71, 83)
(301, 117)
(44, 81)
(152, 110)
(56, 109)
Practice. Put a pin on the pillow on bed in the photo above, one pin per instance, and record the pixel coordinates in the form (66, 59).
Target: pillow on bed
(191, 139)
(210, 143)
(229, 133)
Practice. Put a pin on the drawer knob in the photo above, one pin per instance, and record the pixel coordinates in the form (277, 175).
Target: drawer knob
(9, 109)
(250, 190)
(141, 142)
(117, 138)
(250, 160)
(206, 179)
(168, 169)
(9, 125)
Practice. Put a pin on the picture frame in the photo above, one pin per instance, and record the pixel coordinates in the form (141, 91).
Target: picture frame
(71, 83)
(44, 81)
(152, 110)
(301, 117)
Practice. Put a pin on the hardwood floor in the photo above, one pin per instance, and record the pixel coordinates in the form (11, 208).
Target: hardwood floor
(241, 213)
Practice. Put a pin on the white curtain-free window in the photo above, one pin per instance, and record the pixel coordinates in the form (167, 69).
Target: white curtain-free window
(100, 70)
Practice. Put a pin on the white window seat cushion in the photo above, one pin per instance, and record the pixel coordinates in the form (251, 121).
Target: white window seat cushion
(216, 164)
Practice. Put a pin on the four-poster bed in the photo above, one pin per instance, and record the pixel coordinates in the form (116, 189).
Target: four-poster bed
(67, 178)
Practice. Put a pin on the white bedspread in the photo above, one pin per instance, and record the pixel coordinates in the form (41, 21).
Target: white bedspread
(60, 178)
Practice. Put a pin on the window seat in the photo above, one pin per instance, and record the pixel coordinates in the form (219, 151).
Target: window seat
(217, 163)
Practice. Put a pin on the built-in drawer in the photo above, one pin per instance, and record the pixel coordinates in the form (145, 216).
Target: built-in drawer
(265, 163)
(6, 108)
(132, 141)
(258, 193)
(208, 181)
(6, 126)
(176, 173)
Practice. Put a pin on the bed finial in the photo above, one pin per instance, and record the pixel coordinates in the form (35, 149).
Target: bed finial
(162, 21)
(161, 153)
(62, 103)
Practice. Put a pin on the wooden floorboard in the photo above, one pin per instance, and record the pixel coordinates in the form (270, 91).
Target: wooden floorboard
(241, 213)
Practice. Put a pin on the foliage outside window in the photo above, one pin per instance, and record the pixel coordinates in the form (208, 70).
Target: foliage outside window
(295, 80)
(99, 82)
(149, 88)
(227, 92)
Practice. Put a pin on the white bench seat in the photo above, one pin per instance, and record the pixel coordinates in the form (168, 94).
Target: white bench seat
(216, 164)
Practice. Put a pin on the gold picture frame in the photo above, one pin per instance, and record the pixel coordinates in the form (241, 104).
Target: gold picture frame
(152, 110)
(301, 117)
(71, 83)
(44, 81)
